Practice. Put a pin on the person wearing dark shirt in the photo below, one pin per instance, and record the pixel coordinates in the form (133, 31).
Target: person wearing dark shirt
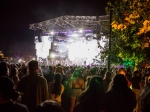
(136, 83)
(8, 95)
(119, 97)
(90, 99)
(33, 87)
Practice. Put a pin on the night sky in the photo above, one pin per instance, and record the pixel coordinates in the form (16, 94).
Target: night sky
(16, 15)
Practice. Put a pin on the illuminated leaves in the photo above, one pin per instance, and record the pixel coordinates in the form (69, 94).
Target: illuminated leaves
(130, 24)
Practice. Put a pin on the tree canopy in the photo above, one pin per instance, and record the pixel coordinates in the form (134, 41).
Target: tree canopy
(130, 29)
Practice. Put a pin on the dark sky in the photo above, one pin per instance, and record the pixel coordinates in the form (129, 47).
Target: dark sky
(16, 15)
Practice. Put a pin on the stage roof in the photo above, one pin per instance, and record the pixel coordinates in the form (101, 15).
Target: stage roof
(69, 22)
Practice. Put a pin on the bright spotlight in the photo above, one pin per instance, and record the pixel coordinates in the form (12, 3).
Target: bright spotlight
(52, 55)
(20, 60)
(55, 44)
(52, 33)
(33, 58)
(81, 31)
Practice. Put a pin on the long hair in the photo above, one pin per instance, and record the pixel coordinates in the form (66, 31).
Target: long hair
(135, 73)
(95, 90)
(119, 83)
(60, 70)
(13, 72)
(107, 75)
(57, 84)
(96, 85)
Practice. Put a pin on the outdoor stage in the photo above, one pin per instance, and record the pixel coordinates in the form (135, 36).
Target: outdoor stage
(70, 39)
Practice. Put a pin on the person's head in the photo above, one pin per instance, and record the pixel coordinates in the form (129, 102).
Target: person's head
(118, 83)
(136, 73)
(77, 73)
(14, 72)
(93, 71)
(7, 90)
(33, 66)
(96, 84)
(51, 68)
(49, 106)
(60, 70)
(108, 75)
(4, 70)
(122, 71)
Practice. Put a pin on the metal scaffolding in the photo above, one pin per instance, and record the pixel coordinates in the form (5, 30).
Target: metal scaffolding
(70, 22)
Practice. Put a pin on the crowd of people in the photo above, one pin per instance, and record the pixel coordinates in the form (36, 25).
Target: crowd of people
(35, 88)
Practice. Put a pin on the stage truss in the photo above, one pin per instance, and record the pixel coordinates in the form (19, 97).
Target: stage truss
(65, 24)
(70, 22)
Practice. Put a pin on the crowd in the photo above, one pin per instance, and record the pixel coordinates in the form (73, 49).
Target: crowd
(35, 88)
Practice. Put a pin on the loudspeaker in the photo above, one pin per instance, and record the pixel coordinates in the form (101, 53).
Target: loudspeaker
(39, 34)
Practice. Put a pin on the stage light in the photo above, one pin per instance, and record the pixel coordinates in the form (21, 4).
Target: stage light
(20, 60)
(81, 31)
(55, 44)
(52, 33)
(33, 58)
(52, 55)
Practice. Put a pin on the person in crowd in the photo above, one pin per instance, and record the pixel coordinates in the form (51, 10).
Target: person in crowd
(144, 97)
(4, 70)
(123, 72)
(65, 95)
(59, 69)
(90, 99)
(93, 71)
(102, 73)
(49, 106)
(24, 72)
(107, 79)
(129, 73)
(14, 75)
(40, 72)
(46, 73)
(33, 87)
(76, 86)
(87, 82)
(8, 95)
(136, 84)
(69, 72)
(119, 97)
(56, 88)
(50, 77)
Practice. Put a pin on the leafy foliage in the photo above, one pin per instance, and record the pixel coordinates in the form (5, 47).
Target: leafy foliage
(130, 29)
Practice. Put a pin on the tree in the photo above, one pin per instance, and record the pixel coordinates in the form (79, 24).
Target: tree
(130, 29)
